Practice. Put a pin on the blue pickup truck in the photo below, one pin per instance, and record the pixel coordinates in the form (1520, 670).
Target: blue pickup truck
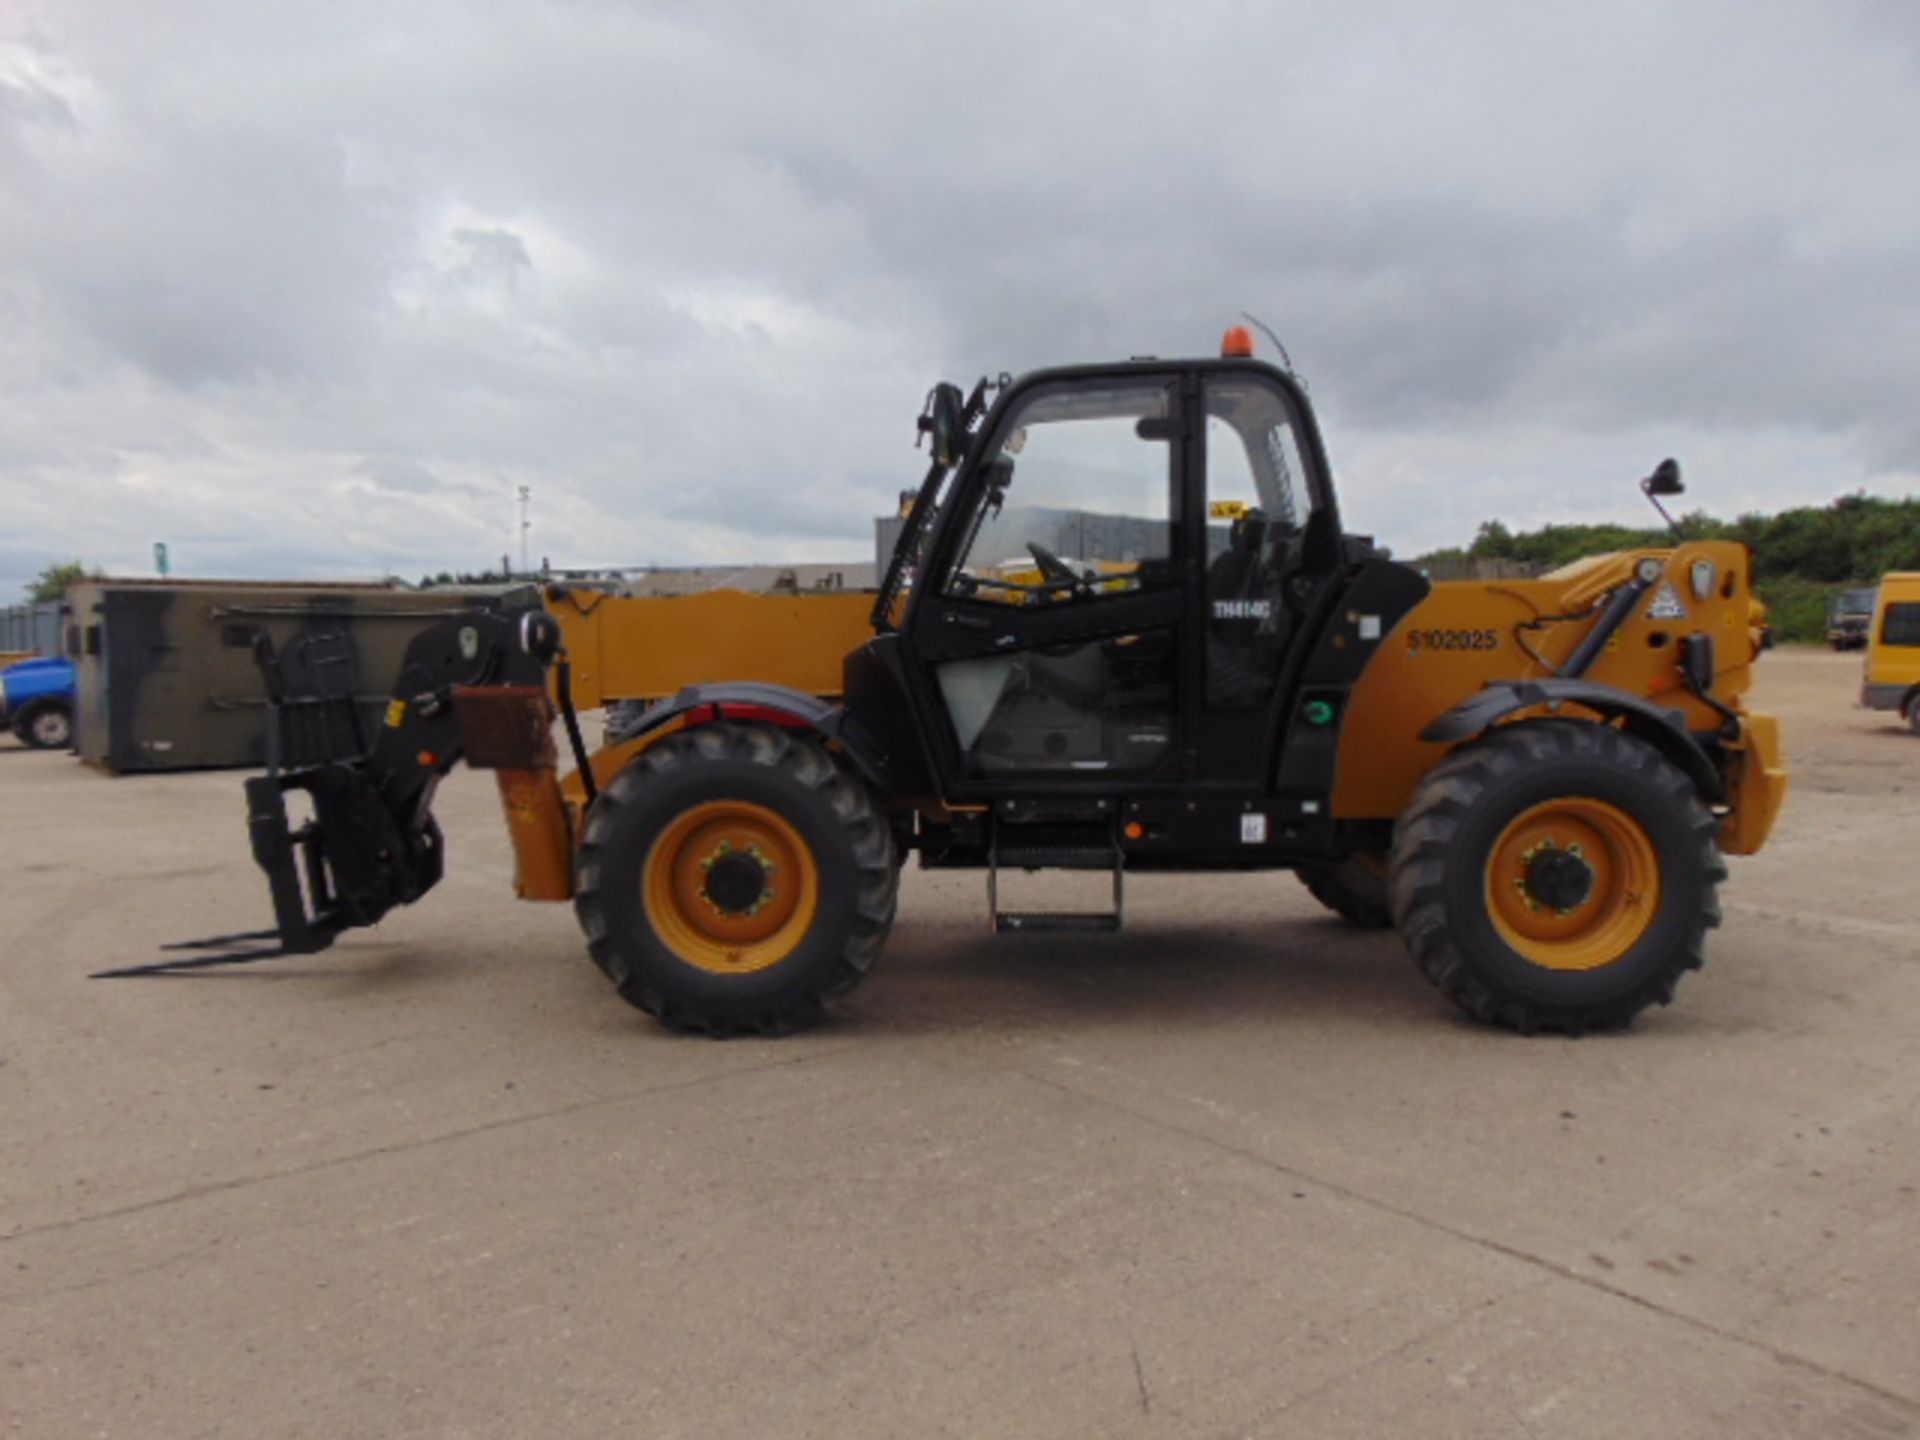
(36, 702)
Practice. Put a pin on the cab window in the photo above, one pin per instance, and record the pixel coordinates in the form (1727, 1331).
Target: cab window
(1076, 505)
(1901, 625)
(1258, 505)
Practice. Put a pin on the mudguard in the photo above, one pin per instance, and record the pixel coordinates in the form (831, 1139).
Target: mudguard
(749, 700)
(1664, 729)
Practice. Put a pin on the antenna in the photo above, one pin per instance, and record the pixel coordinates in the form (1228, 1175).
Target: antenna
(1285, 358)
(526, 495)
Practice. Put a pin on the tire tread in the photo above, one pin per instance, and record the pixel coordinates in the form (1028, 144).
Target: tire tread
(870, 845)
(1431, 826)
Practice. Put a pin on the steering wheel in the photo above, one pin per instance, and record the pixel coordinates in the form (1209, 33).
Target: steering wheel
(1056, 572)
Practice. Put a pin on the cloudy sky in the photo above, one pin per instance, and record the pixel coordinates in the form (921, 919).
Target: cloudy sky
(312, 289)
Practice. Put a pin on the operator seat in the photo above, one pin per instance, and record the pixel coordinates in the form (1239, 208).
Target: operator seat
(1234, 571)
(1247, 641)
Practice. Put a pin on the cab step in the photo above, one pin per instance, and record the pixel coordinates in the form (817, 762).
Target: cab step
(1037, 850)
(1053, 857)
(1098, 922)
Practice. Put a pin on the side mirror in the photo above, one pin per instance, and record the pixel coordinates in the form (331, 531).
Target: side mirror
(941, 422)
(1665, 479)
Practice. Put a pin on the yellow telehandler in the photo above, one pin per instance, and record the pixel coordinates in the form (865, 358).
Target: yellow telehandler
(1122, 631)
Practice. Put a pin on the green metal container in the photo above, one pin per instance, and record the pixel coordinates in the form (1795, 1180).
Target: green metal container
(166, 673)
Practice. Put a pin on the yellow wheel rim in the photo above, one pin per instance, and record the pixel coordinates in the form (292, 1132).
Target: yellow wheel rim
(1573, 883)
(730, 887)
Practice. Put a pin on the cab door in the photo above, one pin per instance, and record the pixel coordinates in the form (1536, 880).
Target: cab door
(1273, 557)
(1049, 624)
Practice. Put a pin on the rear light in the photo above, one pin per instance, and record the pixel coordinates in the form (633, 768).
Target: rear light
(766, 714)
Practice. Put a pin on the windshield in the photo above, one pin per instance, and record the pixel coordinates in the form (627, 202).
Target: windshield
(1854, 602)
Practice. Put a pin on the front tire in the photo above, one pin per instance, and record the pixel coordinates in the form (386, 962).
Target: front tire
(1556, 875)
(734, 879)
(47, 726)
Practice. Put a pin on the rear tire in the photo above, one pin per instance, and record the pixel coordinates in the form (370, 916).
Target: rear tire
(734, 879)
(1355, 889)
(1587, 937)
(46, 726)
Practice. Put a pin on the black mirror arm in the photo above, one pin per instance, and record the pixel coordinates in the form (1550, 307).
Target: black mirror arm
(1665, 480)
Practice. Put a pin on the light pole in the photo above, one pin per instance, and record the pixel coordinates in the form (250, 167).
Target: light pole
(526, 495)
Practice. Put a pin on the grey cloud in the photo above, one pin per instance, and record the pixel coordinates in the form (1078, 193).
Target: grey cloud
(348, 275)
(27, 104)
(492, 257)
(399, 472)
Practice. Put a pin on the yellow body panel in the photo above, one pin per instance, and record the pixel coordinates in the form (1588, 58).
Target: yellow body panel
(541, 828)
(651, 647)
(609, 761)
(1757, 786)
(1467, 633)
(1890, 666)
(14, 657)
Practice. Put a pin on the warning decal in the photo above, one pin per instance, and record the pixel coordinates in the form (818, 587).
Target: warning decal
(1666, 605)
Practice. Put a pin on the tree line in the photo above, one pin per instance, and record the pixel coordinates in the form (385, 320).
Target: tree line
(1801, 557)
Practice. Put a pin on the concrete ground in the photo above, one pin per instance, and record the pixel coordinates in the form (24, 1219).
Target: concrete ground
(1236, 1172)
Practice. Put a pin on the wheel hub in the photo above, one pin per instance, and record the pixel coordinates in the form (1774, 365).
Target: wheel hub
(738, 882)
(1559, 879)
(1572, 883)
(730, 886)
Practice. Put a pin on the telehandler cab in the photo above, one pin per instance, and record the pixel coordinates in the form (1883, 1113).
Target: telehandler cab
(1122, 631)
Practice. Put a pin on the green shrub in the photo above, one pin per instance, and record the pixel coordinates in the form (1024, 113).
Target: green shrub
(1797, 607)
